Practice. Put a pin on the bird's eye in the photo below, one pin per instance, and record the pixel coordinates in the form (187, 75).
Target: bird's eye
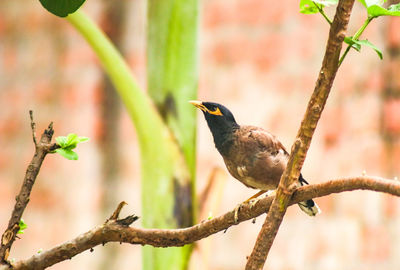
(216, 111)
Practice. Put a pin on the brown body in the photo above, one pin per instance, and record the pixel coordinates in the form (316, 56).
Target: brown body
(262, 169)
(251, 154)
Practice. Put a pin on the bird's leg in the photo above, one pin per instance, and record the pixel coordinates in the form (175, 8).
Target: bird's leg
(261, 192)
(252, 201)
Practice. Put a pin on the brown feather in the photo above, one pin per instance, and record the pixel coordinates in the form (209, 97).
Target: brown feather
(264, 167)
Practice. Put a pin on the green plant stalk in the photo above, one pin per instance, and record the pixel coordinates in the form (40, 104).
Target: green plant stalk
(356, 36)
(321, 11)
(161, 158)
(172, 79)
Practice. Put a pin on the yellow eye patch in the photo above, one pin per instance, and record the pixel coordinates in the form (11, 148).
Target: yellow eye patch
(215, 112)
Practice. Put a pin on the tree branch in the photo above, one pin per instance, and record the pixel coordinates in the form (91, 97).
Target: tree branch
(114, 231)
(42, 148)
(303, 140)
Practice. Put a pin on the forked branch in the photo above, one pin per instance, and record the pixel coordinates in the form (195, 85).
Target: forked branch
(42, 148)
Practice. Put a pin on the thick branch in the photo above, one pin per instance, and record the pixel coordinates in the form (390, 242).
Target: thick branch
(303, 140)
(42, 148)
(112, 231)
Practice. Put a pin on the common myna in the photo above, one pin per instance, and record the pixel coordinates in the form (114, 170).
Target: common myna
(251, 154)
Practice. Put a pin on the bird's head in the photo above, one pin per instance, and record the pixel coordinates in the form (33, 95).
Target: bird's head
(219, 119)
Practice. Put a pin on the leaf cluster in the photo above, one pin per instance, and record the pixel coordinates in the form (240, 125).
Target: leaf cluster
(67, 143)
(374, 8)
(22, 226)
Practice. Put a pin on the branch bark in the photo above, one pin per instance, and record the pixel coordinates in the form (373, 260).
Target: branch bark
(117, 231)
(300, 147)
(42, 148)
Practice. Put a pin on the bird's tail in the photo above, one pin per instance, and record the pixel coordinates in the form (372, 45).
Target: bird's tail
(309, 207)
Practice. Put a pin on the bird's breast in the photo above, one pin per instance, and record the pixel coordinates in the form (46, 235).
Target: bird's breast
(253, 177)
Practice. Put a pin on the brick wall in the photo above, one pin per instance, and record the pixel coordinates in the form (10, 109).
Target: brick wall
(260, 59)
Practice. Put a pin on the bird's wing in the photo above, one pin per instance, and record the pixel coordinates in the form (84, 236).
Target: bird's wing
(265, 140)
(257, 158)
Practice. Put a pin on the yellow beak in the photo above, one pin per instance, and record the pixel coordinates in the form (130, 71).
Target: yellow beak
(198, 104)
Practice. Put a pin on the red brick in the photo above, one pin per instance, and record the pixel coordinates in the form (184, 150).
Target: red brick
(391, 116)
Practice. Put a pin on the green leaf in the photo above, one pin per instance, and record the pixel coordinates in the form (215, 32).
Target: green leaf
(61, 141)
(350, 41)
(82, 139)
(375, 8)
(71, 138)
(369, 44)
(22, 226)
(311, 7)
(356, 44)
(67, 153)
(326, 3)
(71, 141)
(62, 8)
(308, 7)
(376, 11)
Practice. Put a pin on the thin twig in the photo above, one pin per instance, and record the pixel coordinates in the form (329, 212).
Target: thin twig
(321, 11)
(113, 232)
(300, 147)
(41, 150)
(117, 211)
(355, 37)
(33, 127)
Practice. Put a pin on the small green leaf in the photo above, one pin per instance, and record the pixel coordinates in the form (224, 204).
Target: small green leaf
(350, 41)
(62, 8)
(22, 226)
(71, 138)
(68, 154)
(326, 3)
(375, 8)
(67, 144)
(356, 44)
(311, 7)
(82, 139)
(376, 11)
(61, 141)
(308, 7)
(369, 44)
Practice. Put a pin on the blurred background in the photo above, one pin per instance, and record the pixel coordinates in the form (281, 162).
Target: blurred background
(260, 59)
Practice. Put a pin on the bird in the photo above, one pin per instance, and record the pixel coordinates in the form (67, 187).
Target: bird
(251, 154)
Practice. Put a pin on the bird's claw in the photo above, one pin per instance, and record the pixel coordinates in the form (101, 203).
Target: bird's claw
(253, 202)
(236, 216)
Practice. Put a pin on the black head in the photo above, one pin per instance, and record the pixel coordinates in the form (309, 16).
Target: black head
(219, 119)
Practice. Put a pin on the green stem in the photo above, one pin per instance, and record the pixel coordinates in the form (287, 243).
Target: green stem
(149, 124)
(161, 158)
(355, 37)
(120, 74)
(322, 13)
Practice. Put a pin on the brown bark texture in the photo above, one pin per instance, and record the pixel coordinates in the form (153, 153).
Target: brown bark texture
(42, 148)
